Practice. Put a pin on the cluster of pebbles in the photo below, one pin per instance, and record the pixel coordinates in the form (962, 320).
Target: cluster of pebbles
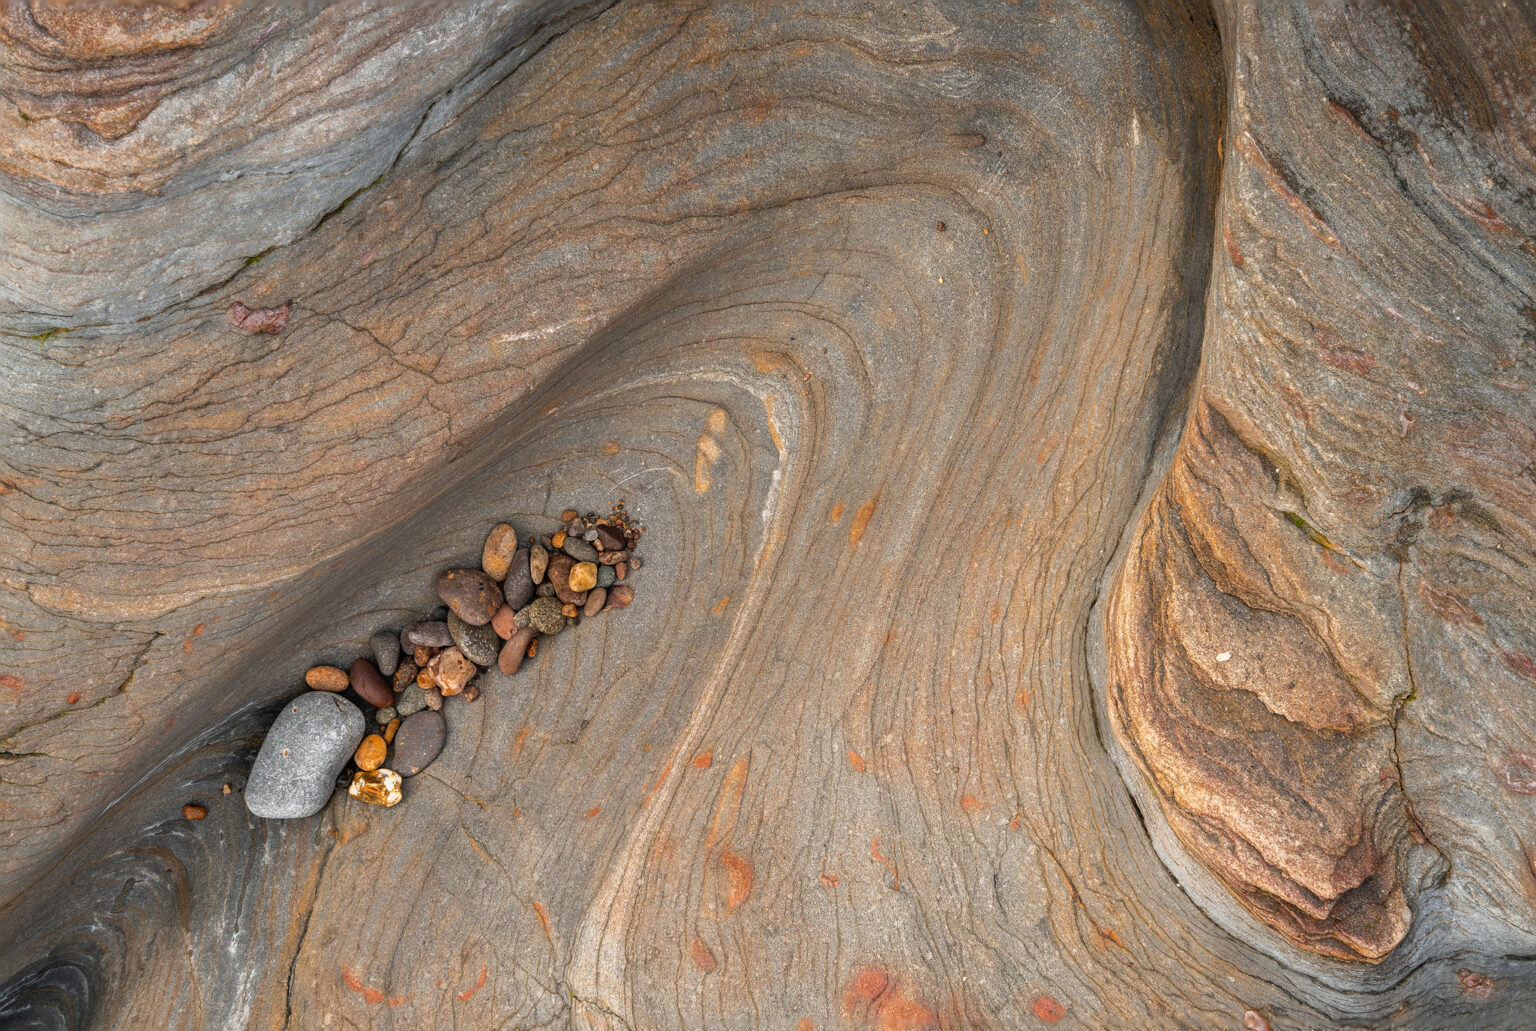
(494, 616)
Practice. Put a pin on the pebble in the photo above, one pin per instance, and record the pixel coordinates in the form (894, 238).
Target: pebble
(480, 644)
(583, 577)
(472, 693)
(543, 615)
(369, 684)
(621, 570)
(423, 655)
(606, 576)
(419, 741)
(385, 714)
(558, 540)
(434, 699)
(579, 549)
(424, 679)
(412, 699)
(379, 787)
(405, 676)
(309, 743)
(538, 562)
(432, 634)
(470, 594)
(569, 514)
(193, 811)
(611, 539)
(569, 611)
(391, 730)
(513, 651)
(519, 586)
(595, 602)
(451, 670)
(613, 558)
(545, 590)
(327, 678)
(496, 556)
(560, 567)
(634, 562)
(619, 597)
(370, 754)
(386, 651)
(502, 621)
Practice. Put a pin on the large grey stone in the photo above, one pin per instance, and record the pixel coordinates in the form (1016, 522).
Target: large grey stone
(478, 643)
(309, 743)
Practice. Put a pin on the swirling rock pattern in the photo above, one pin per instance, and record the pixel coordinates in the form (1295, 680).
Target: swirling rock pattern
(1319, 656)
(884, 319)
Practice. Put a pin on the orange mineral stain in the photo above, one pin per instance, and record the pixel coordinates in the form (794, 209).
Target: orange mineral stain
(1048, 1009)
(74, 697)
(593, 812)
(969, 802)
(544, 921)
(874, 851)
(465, 995)
(872, 997)
(837, 511)
(370, 995)
(701, 956)
(861, 520)
(704, 760)
(856, 761)
(739, 877)
(723, 603)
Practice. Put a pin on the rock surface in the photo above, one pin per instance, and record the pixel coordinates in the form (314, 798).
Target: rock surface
(306, 747)
(904, 298)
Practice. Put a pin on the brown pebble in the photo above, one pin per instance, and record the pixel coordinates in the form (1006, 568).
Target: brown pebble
(558, 540)
(568, 515)
(496, 556)
(621, 570)
(472, 693)
(533, 647)
(583, 576)
(391, 730)
(452, 670)
(424, 679)
(327, 678)
(538, 562)
(545, 590)
(595, 602)
(378, 787)
(434, 699)
(193, 811)
(941, 227)
(370, 754)
(502, 622)
(569, 611)
(405, 674)
(226, 789)
(421, 654)
(634, 563)
(619, 597)
(513, 651)
(613, 557)
(369, 684)
(608, 538)
(560, 566)
(472, 595)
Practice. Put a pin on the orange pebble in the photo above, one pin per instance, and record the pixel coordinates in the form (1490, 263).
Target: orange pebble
(558, 540)
(533, 647)
(193, 811)
(568, 515)
(391, 730)
(327, 678)
(370, 754)
(568, 611)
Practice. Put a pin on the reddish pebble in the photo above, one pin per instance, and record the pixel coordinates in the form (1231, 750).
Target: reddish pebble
(502, 622)
(621, 570)
(193, 811)
(472, 693)
(595, 602)
(370, 685)
(513, 651)
(619, 597)
(452, 671)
